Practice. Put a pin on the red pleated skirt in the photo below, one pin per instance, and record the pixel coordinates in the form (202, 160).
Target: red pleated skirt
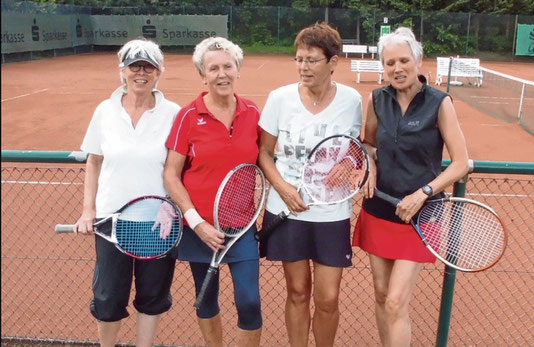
(389, 240)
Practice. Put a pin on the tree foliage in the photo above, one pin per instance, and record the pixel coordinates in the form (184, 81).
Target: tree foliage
(524, 7)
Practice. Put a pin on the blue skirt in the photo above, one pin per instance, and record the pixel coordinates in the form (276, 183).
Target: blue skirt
(192, 249)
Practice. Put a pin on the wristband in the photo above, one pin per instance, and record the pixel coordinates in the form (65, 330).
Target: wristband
(193, 218)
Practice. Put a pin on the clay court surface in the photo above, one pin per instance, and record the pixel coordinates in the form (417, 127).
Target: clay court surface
(47, 104)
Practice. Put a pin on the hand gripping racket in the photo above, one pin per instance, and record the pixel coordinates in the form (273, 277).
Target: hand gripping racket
(464, 234)
(145, 228)
(238, 203)
(335, 170)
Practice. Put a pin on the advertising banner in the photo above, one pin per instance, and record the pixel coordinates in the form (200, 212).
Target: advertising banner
(37, 32)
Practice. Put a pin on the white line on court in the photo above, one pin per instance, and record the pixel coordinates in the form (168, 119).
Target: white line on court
(494, 97)
(43, 183)
(259, 67)
(499, 195)
(23, 95)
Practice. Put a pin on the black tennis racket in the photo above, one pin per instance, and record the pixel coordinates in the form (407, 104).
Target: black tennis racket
(335, 170)
(462, 233)
(145, 228)
(238, 203)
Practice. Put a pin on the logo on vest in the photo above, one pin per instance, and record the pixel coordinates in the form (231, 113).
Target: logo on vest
(413, 123)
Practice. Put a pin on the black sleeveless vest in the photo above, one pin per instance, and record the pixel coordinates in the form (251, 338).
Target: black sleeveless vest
(409, 147)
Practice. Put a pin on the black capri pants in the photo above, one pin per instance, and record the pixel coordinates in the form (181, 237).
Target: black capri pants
(112, 283)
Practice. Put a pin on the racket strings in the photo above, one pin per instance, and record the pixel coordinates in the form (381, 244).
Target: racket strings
(134, 229)
(463, 233)
(335, 170)
(240, 200)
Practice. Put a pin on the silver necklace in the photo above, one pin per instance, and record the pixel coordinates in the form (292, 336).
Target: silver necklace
(315, 103)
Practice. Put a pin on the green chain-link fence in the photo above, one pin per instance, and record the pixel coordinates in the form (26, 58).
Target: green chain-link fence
(46, 278)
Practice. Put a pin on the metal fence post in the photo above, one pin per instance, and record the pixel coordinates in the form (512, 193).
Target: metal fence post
(449, 280)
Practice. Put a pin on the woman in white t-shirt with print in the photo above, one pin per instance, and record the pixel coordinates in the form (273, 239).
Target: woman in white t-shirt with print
(295, 118)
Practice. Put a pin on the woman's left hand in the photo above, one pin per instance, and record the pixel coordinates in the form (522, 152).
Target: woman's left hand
(410, 205)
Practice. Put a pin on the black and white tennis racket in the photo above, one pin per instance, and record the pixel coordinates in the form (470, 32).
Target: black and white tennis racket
(462, 233)
(335, 170)
(238, 203)
(147, 227)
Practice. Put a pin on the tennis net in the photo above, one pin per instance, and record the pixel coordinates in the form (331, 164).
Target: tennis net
(497, 94)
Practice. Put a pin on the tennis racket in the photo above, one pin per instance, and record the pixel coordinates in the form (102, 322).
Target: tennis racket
(238, 203)
(335, 170)
(147, 227)
(464, 234)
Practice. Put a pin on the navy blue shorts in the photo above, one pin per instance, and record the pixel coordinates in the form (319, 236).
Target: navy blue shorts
(112, 282)
(327, 243)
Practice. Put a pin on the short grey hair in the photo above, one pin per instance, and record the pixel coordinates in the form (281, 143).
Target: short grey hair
(216, 44)
(401, 35)
(140, 47)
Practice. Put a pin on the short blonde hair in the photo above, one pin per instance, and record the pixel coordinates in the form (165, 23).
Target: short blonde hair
(216, 44)
(401, 35)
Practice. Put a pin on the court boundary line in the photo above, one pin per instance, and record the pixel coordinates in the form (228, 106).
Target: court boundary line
(24, 95)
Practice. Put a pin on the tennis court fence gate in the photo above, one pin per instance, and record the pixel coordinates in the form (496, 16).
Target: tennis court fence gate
(46, 278)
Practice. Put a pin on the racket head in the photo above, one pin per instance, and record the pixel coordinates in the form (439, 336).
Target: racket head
(465, 234)
(336, 169)
(134, 231)
(239, 200)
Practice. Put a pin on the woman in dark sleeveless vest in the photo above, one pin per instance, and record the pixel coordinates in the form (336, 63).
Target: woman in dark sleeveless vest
(408, 123)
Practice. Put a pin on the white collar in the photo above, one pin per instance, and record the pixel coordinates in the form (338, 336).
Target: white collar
(116, 96)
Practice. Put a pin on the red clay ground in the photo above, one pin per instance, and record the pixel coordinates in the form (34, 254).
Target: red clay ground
(47, 104)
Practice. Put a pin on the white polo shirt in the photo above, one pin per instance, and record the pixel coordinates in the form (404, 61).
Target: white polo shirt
(298, 131)
(134, 158)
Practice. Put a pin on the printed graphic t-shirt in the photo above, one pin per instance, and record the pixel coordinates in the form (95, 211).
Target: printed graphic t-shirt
(298, 131)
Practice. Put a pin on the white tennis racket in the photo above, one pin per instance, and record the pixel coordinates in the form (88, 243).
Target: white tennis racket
(335, 170)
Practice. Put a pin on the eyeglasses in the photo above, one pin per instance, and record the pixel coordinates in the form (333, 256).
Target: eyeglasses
(149, 68)
(309, 62)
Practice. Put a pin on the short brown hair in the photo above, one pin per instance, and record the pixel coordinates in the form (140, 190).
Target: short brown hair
(320, 35)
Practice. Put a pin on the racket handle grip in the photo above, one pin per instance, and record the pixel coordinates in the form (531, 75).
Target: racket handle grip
(207, 280)
(386, 197)
(268, 230)
(64, 228)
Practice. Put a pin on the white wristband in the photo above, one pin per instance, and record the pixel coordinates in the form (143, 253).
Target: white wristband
(193, 218)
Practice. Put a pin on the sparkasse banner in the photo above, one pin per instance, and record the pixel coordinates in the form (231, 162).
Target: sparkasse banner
(165, 30)
(32, 32)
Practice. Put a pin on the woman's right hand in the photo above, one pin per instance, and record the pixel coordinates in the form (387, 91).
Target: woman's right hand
(213, 238)
(84, 225)
(368, 189)
(292, 198)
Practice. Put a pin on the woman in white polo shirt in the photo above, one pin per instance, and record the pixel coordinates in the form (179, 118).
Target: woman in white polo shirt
(126, 145)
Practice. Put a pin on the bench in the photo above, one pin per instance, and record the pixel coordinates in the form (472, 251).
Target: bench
(467, 67)
(358, 49)
(360, 66)
(373, 50)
